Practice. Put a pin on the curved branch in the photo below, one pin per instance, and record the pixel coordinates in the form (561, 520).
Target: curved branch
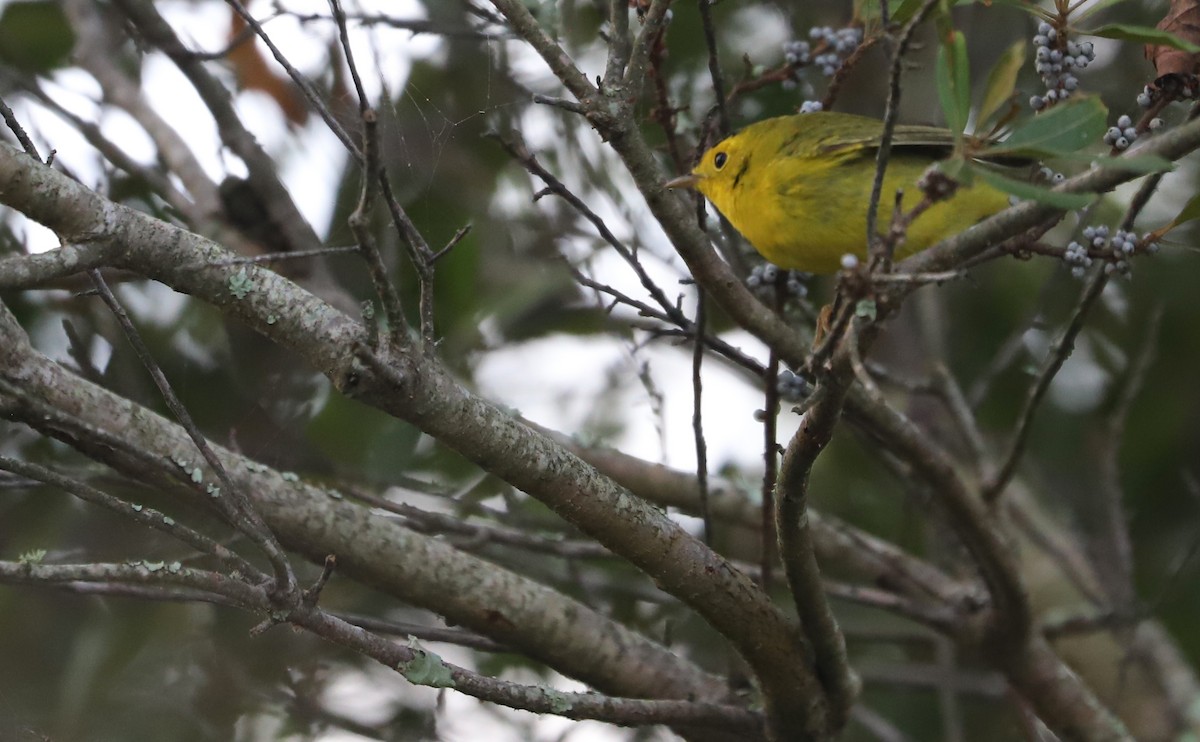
(414, 387)
(422, 570)
(419, 666)
(797, 550)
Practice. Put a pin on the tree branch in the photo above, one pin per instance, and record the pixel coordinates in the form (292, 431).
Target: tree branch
(419, 666)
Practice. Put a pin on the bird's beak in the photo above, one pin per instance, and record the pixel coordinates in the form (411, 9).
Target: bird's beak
(683, 181)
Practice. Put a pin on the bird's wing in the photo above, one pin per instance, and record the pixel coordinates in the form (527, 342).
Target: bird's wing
(865, 136)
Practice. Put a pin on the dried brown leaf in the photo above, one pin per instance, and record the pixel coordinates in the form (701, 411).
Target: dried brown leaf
(1183, 20)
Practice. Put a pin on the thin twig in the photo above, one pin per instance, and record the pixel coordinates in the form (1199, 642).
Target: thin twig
(846, 67)
(569, 106)
(421, 256)
(1010, 348)
(951, 394)
(143, 515)
(462, 232)
(155, 177)
(517, 149)
(275, 257)
(1012, 618)
(918, 279)
(81, 354)
(235, 505)
(889, 127)
(1091, 621)
(263, 175)
(663, 112)
(1114, 551)
(416, 664)
(360, 225)
(770, 467)
(311, 95)
(685, 330)
(10, 118)
(933, 616)
(374, 177)
(911, 675)
(415, 26)
(461, 637)
(339, 17)
(771, 448)
(98, 49)
(877, 725)
(947, 690)
(714, 65)
(653, 24)
(425, 521)
(1142, 198)
(619, 47)
(697, 416)
(1055, 358)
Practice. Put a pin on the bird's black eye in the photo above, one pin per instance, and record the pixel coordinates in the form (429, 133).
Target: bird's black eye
(719, 160)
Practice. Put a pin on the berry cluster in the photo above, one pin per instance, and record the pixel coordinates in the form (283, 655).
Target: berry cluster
(1122, 135)
(797, 53)
(838, 44)
(1115, 252)
(834, 46)
(1077, 257)
(763, 277)
(1125, 133)
(1054, 58)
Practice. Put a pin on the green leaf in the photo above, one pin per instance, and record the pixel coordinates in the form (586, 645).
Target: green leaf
(904, 10)
(1094, 8)
(1040, 14)
(1189, 213)
(1065, 128)
(35, 36)
(1143, 35)
(956, 169)
(953, 82)
(1001, 82)
(1029, 191)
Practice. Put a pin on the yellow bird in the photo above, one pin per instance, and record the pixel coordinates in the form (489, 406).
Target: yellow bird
(798, 187)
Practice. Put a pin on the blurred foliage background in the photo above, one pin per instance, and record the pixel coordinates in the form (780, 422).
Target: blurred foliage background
(514, 324)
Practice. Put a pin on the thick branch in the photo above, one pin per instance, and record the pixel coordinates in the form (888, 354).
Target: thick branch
(415, 388)
(418, 665)
(425, 571)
